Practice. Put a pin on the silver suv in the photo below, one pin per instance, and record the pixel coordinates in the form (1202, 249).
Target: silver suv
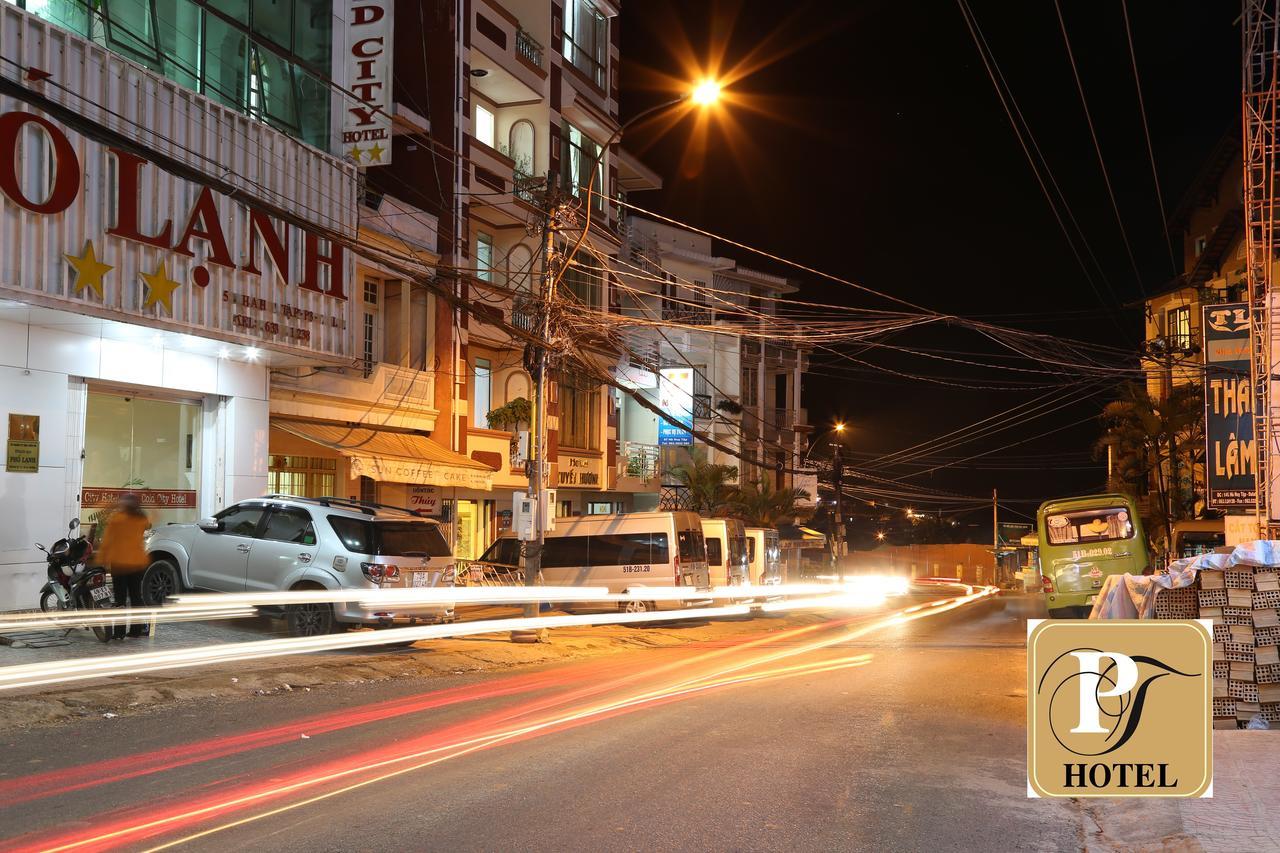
(281, 542)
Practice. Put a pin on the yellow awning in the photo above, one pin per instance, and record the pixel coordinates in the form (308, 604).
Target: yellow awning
(395, 457)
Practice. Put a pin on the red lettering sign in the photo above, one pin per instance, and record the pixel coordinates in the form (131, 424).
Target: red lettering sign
(65, 166)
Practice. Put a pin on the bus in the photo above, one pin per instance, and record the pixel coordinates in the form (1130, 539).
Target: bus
(1082, 541)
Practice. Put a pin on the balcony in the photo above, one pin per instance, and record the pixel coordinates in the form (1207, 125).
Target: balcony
(391, 396)
(680, 312)
(511, 56)
(503, 192)
(638, 461)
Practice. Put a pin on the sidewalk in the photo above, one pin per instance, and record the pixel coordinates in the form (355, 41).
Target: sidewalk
(1243, 816)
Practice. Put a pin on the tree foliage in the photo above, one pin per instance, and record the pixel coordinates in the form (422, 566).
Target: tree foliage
(759, 504)
(709, 487)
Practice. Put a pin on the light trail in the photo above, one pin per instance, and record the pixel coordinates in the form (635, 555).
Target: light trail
(21, 676)
(469, 737)
(14, 623)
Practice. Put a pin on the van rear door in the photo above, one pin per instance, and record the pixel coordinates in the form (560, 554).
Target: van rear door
(692, 551)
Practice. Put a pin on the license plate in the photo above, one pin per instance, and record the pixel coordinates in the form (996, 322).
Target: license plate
(422, 578)
(100, 593)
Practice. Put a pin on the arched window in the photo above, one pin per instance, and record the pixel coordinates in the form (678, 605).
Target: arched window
(520, 268)
(521, 139)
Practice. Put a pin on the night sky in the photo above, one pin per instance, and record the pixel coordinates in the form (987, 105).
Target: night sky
(880, 153)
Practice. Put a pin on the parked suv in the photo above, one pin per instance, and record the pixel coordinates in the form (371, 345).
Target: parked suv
(281, 542)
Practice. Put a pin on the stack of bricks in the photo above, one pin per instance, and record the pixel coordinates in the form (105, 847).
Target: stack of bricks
(1243, 602)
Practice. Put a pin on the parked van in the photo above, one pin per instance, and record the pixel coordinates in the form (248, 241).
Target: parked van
(621, 552)
(764, 555)
(1193, 538)
(726, 551)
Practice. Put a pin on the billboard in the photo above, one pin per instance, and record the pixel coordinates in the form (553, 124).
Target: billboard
(366, 121)
(1229, 404)
(675, 397)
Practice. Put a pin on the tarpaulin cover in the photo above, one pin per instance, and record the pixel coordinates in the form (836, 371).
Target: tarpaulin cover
(1134, 596)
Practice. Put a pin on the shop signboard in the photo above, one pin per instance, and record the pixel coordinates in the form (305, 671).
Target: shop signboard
(106, 233)
(579, 472)
(675, 397)
(94, 497)
(425, 500)
(1229, 407)
(366, 122)
(22, 451)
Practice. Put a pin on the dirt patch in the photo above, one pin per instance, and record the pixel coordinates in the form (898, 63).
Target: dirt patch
(431, 658)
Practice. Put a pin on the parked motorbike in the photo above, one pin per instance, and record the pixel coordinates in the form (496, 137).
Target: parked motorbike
(73, 584)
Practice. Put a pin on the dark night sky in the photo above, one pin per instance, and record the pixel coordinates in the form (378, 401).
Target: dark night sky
(888, 160)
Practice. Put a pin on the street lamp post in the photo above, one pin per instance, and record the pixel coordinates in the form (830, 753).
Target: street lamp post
(704, 94)
(838, 462)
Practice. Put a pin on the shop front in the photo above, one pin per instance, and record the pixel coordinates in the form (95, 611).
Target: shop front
(140, 313)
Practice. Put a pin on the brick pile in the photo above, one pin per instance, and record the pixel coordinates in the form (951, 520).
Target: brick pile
(1244, 604)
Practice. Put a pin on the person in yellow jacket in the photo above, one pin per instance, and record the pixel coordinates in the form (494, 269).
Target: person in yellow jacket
(125, 555)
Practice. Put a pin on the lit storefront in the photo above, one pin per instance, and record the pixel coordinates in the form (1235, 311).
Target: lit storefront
(140, 311)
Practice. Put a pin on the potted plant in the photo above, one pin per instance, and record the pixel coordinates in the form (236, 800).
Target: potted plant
(511, 416)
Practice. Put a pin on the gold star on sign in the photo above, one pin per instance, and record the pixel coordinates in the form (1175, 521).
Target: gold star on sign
(89, 270)
(160, 288)
(375, 153)
(356, 151)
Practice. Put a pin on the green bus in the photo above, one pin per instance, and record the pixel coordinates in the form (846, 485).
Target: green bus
(1082, 540)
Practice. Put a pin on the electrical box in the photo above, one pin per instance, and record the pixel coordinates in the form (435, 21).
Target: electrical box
(525, 514)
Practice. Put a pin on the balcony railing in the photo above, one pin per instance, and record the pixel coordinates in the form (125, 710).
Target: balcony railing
(524, 313)
(528, 49)
(702, 410)
(639, 460)
(676, 312)
(526, 187)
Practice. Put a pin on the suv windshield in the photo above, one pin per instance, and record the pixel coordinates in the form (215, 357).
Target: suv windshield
(390, 538)
(1093, 525)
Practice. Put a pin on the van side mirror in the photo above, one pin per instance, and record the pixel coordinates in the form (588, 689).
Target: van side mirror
(209, 525)
(75, 522)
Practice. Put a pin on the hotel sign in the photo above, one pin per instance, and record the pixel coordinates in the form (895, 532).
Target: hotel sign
(1231, 454)
(102, 231)
(366, 124)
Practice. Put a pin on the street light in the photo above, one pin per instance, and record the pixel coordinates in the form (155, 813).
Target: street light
(706, 93)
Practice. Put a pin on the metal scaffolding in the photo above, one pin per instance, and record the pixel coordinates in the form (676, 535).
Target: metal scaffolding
(1261, 118)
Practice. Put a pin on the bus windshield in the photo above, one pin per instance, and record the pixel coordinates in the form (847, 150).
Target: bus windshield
(1091, 525)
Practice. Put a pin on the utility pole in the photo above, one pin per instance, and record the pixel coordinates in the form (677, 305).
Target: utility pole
(538, 427)
(995, 535)
(838, 545)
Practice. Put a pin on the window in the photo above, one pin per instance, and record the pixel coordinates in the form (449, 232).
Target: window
(714, 554)
(521, 139)
(289, 524)
(750, 386)
(582, 281)
(579, 153)
(302, 476)
(241, 520)
(563, 552)
(368, 490)
(586, 39)
(504, 552)
(1095, 525)
(579, 414)
(1178, 327)
(607, 549)
(269, 60)
(390, 538)
(692, 546)
(1201, 243)
(483, 401)
(484, 257)
(484, 126)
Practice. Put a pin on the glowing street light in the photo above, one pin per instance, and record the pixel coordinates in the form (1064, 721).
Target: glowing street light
(880, 536)
(706, 93)
(840, 426)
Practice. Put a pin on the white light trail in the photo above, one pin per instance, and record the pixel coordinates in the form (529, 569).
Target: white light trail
(79, 669)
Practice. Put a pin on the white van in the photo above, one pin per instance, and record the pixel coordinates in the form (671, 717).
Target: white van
(764, 555)
(726, 551)
(621, 552)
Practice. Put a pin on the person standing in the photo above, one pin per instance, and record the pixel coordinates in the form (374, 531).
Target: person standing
(124, 554)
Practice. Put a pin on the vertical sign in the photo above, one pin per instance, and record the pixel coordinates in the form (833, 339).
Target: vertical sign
(675, 397)
(366, 124)
(22, 453)
(1231, 454)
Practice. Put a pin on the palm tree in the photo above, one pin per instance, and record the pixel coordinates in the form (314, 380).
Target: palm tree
(759, 504)
(708, 487)
(1151, 441)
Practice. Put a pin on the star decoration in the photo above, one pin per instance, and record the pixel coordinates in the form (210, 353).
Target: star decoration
(375, 153)
(160, 288)
(89, 270)
(356, 151)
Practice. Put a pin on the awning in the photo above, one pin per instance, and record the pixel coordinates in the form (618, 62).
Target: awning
(395, 457)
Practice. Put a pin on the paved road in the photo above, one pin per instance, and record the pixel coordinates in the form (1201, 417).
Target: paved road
(909, 737)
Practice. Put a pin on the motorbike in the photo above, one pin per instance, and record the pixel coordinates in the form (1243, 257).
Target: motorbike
(73, 584)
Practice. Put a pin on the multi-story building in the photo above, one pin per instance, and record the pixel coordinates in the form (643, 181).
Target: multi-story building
(1210, 220)
(178, 228)
(745, 391)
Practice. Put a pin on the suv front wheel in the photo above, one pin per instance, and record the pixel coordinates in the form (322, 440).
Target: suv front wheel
(310, 620)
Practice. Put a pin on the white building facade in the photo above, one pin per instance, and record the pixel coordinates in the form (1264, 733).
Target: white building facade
(162, 252)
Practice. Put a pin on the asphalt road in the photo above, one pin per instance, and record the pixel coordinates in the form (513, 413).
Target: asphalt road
(908, 737)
